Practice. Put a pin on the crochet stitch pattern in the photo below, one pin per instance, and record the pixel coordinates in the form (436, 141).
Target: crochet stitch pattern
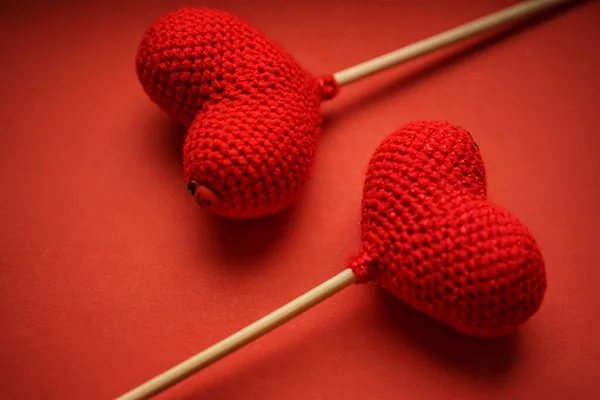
(431, 237)
(252, 112)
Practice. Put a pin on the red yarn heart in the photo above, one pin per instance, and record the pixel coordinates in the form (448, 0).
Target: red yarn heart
(431, 237)
(252, 111)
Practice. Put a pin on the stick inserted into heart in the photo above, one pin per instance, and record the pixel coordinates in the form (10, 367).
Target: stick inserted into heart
(430, 236)
(252, 112)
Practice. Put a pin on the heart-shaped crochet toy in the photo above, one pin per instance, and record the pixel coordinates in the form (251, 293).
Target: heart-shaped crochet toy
(252, 112)
(431, 237)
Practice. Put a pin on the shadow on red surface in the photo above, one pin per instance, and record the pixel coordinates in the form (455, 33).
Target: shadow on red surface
(240, 241)
(488, 359)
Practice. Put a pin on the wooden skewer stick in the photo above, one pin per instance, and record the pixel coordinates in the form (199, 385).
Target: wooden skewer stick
(242, 337)
(443, 39)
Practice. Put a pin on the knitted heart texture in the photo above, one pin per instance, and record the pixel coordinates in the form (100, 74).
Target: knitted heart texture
(431, 237)
(252, 112)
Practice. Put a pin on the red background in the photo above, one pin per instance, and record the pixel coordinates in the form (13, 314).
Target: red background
(110, 273)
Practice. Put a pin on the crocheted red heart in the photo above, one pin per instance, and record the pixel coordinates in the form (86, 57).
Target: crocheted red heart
(252, 111)
(431, 237)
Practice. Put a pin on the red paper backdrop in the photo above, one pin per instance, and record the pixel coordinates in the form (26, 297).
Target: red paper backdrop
(109, 272)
